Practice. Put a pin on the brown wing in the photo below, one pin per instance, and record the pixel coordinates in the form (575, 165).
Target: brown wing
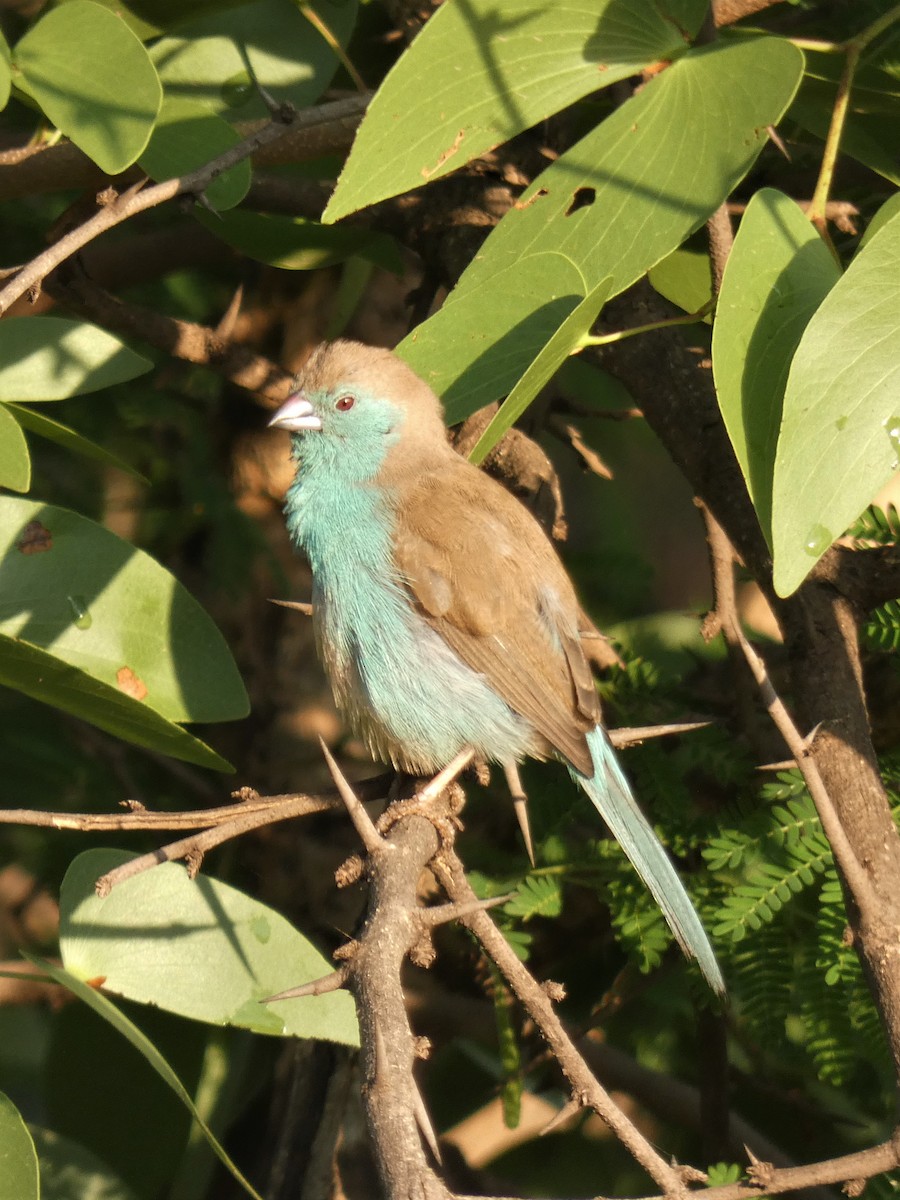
(487, 579)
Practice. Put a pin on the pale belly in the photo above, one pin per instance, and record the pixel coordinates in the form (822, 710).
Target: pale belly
(403, 689)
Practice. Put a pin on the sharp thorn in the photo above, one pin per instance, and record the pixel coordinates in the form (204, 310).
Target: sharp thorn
(369, 835)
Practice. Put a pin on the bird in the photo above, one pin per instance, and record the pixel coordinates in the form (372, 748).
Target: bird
(443, 614)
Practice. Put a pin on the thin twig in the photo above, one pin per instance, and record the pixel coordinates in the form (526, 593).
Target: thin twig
(857, 879)
(442, 914)
(585, 1087)
(137, 199)
(853, 50)
(620, 335)
(282, 807)
(193, 848)
(337, 49)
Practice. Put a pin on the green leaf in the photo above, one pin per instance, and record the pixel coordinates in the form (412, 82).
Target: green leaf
(684, 278)
(96, 627)
(620, 200)
(150, 17)
(71, 1172)
(186, 136)
(215, 58)
(495, 68)
(196, 947)
(108, 1011)
(51, 358)
(78, 62)
(871, 132)
(15, 462)
(5, 72)
(890, 207)
(543, 368)
(495, 329)
(840, 433)
(18, 1158)
(296, 244)
(536, 896)
(778, 273)
(62, 435)
(43, 677)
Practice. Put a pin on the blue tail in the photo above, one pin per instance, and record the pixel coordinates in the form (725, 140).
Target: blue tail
(611, 795)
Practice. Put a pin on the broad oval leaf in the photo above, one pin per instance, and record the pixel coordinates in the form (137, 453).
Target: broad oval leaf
(73, 591)
(51, 358)
(494, 68)
(62, 435)
(871, 128)
(490, 326)
(685, 278)
(840, 432)
(890, 207)
(621, 199)
(215, 58)
(78, 62)
(197, 947)
(5, 72)
(15, 461)
(779, 272)
(40, 675)
(297, 244)
(562, 343)
(18, 1158)
(105, 1008)
(186, 136)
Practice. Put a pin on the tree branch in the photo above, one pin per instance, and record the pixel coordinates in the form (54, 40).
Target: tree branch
(325, 129)
(138, 198)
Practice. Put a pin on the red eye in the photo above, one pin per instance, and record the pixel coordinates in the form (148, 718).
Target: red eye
(344, 403)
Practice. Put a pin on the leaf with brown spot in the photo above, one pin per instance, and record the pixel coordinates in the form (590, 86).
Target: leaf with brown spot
(35, 539)
(131, 684)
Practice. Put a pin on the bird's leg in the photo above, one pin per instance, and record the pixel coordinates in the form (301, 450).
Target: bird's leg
(520, 804)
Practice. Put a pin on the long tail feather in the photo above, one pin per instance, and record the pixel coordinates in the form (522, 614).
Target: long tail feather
(611, 795)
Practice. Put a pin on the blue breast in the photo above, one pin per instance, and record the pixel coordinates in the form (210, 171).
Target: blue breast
(413, 700)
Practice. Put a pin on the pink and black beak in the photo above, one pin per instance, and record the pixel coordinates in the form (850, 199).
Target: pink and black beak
(296, 415)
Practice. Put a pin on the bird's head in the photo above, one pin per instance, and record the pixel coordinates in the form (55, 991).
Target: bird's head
(355, 405)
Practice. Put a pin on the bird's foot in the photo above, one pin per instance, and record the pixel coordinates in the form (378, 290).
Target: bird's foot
(444, 817)
(422, 804)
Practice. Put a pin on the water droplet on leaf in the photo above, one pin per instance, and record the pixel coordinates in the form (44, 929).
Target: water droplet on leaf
(80, 612)
(817, 541)
(237, 90)
(892, 425)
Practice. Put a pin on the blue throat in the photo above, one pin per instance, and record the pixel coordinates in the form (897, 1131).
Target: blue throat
(401, 686)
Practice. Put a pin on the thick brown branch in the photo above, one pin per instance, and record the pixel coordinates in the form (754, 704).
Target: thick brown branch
(674, 388)
(391, 929)
(326, 129)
